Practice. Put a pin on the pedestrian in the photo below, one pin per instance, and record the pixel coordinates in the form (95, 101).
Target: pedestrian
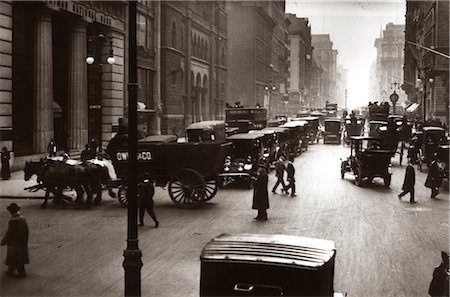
(52, 148)
(93, 144)
(439, 285)
(261, 195)
(5, 156)
(434, 179)
(290, 169)
(409, 182)
(16, 240)
(146, 193)
(279, 173)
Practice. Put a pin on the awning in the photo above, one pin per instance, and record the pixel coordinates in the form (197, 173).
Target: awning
(412, 107)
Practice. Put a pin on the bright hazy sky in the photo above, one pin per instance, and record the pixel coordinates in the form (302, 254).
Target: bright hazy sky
(353, 27)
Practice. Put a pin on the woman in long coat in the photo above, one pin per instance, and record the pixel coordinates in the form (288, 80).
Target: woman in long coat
(16, 240)
(261, 195)
(5, 156)
(433, 180)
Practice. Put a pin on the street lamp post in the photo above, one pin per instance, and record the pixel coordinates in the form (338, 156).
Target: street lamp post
(269, 88)
(394, 98)
(132, 254)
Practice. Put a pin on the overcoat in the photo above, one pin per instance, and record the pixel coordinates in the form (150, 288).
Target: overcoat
(279, 168)
(410, 178)
(434, 177)
(16, 239)
(290, 172)
(260, 193)
(5, 173)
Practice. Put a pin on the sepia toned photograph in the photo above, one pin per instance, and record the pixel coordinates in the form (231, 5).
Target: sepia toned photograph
(224, 148)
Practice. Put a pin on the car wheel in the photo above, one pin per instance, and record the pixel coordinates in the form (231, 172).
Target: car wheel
(387, 180)
(358, 178)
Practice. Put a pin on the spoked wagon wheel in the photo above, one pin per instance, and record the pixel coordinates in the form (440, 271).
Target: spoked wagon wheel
(122, 195)
(212, 186)
(187, 188)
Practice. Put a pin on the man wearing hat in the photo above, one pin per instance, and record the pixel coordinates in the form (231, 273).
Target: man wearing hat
(16, 240)
(146, 192)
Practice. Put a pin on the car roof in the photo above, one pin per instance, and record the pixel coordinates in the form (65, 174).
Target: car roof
(307, 118)
(208, 125)
(427, 129)
(332, 120)
(264, 131)
(364, 138)
(278, 129)
(378, 122)
(245, 136)
(293, 124)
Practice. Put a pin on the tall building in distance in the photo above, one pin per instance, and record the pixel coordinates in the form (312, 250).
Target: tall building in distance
(326, 57)
(426, 73)
(257, 45)
(341, 87)
(300, 63)
(389, 64)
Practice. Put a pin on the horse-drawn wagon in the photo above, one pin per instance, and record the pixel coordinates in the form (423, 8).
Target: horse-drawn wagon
(189, 169)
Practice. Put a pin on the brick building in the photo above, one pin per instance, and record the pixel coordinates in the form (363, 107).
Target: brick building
(426, 74)
(193, 63)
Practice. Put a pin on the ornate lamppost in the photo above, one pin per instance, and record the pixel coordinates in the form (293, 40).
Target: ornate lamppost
(269, 88)
(394, 98)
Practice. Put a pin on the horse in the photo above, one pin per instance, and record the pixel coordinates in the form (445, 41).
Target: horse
(55, 176)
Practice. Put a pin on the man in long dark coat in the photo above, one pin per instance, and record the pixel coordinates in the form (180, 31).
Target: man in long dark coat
(261, 195)
(16, 240)
(5, 156)
(279, 173)
(146, 193)
(433, 180)
(409, 182)
(290, 169)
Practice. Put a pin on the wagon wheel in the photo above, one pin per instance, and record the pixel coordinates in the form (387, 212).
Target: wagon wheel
(187, 188)
(122, 195)
(211, 188)
(387, 180)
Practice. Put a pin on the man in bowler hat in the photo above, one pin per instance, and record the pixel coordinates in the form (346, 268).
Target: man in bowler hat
(290, 169)
(279, 173)
(16, 240)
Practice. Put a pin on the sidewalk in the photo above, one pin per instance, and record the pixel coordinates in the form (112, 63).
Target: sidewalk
(14, 187)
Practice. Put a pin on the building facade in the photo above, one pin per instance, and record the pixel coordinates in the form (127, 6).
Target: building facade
(193, 63)
(258, 63)
(426, 73)
(389, 64)
(326, 56)
(47, 88)
(300, 63)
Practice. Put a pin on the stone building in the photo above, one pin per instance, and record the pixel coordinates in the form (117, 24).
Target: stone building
(426, 73)
(389, 63)
(300, 63)
(193, 63)
(47, 88)
(258, 62)
(326, 56)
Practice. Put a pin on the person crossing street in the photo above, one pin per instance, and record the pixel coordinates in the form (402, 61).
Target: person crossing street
(279, 173)
(291, 176)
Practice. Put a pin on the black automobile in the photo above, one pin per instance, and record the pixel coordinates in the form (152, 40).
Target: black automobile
(206, 131)
(332, 131)
(245, 157)
(367, 160)
(269, 146)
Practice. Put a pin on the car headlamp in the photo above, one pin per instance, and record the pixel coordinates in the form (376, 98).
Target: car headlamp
(248, 166)
(240, 166)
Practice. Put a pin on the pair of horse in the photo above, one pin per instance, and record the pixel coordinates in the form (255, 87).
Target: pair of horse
(55, 176)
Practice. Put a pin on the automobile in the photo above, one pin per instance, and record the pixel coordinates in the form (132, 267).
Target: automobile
(245, 156)
(267, 265)
(274, 123)
(378, 128)
(313, 127)
(432, 139)
(332, 130)
(269, 146)
(367, 160)
(353, 127)
(281, 136)
(298, 136)
(206, 131)
(443, 156)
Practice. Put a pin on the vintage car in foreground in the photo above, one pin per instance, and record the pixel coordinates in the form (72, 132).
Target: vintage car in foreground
(332, 131)
(367, 160)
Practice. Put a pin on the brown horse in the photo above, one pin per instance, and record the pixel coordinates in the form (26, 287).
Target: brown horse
(56, 176)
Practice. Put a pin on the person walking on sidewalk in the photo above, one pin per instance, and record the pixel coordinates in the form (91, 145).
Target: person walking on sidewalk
(291, 176)
(279, 173)
(52, 148)
(5, 156)
(16, 240)
(146, 193)
(261, 195)
(433, 180)
(409, 182)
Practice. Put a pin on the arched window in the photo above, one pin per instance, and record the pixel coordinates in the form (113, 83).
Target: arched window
(174, 35)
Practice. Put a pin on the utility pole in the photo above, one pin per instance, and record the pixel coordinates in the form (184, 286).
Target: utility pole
(346, 100)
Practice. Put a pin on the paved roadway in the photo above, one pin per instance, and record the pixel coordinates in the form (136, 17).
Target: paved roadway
(385, 247)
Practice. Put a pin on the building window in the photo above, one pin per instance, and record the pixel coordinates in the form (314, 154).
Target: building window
(174, 35)
(145, 86)
(141, 30)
